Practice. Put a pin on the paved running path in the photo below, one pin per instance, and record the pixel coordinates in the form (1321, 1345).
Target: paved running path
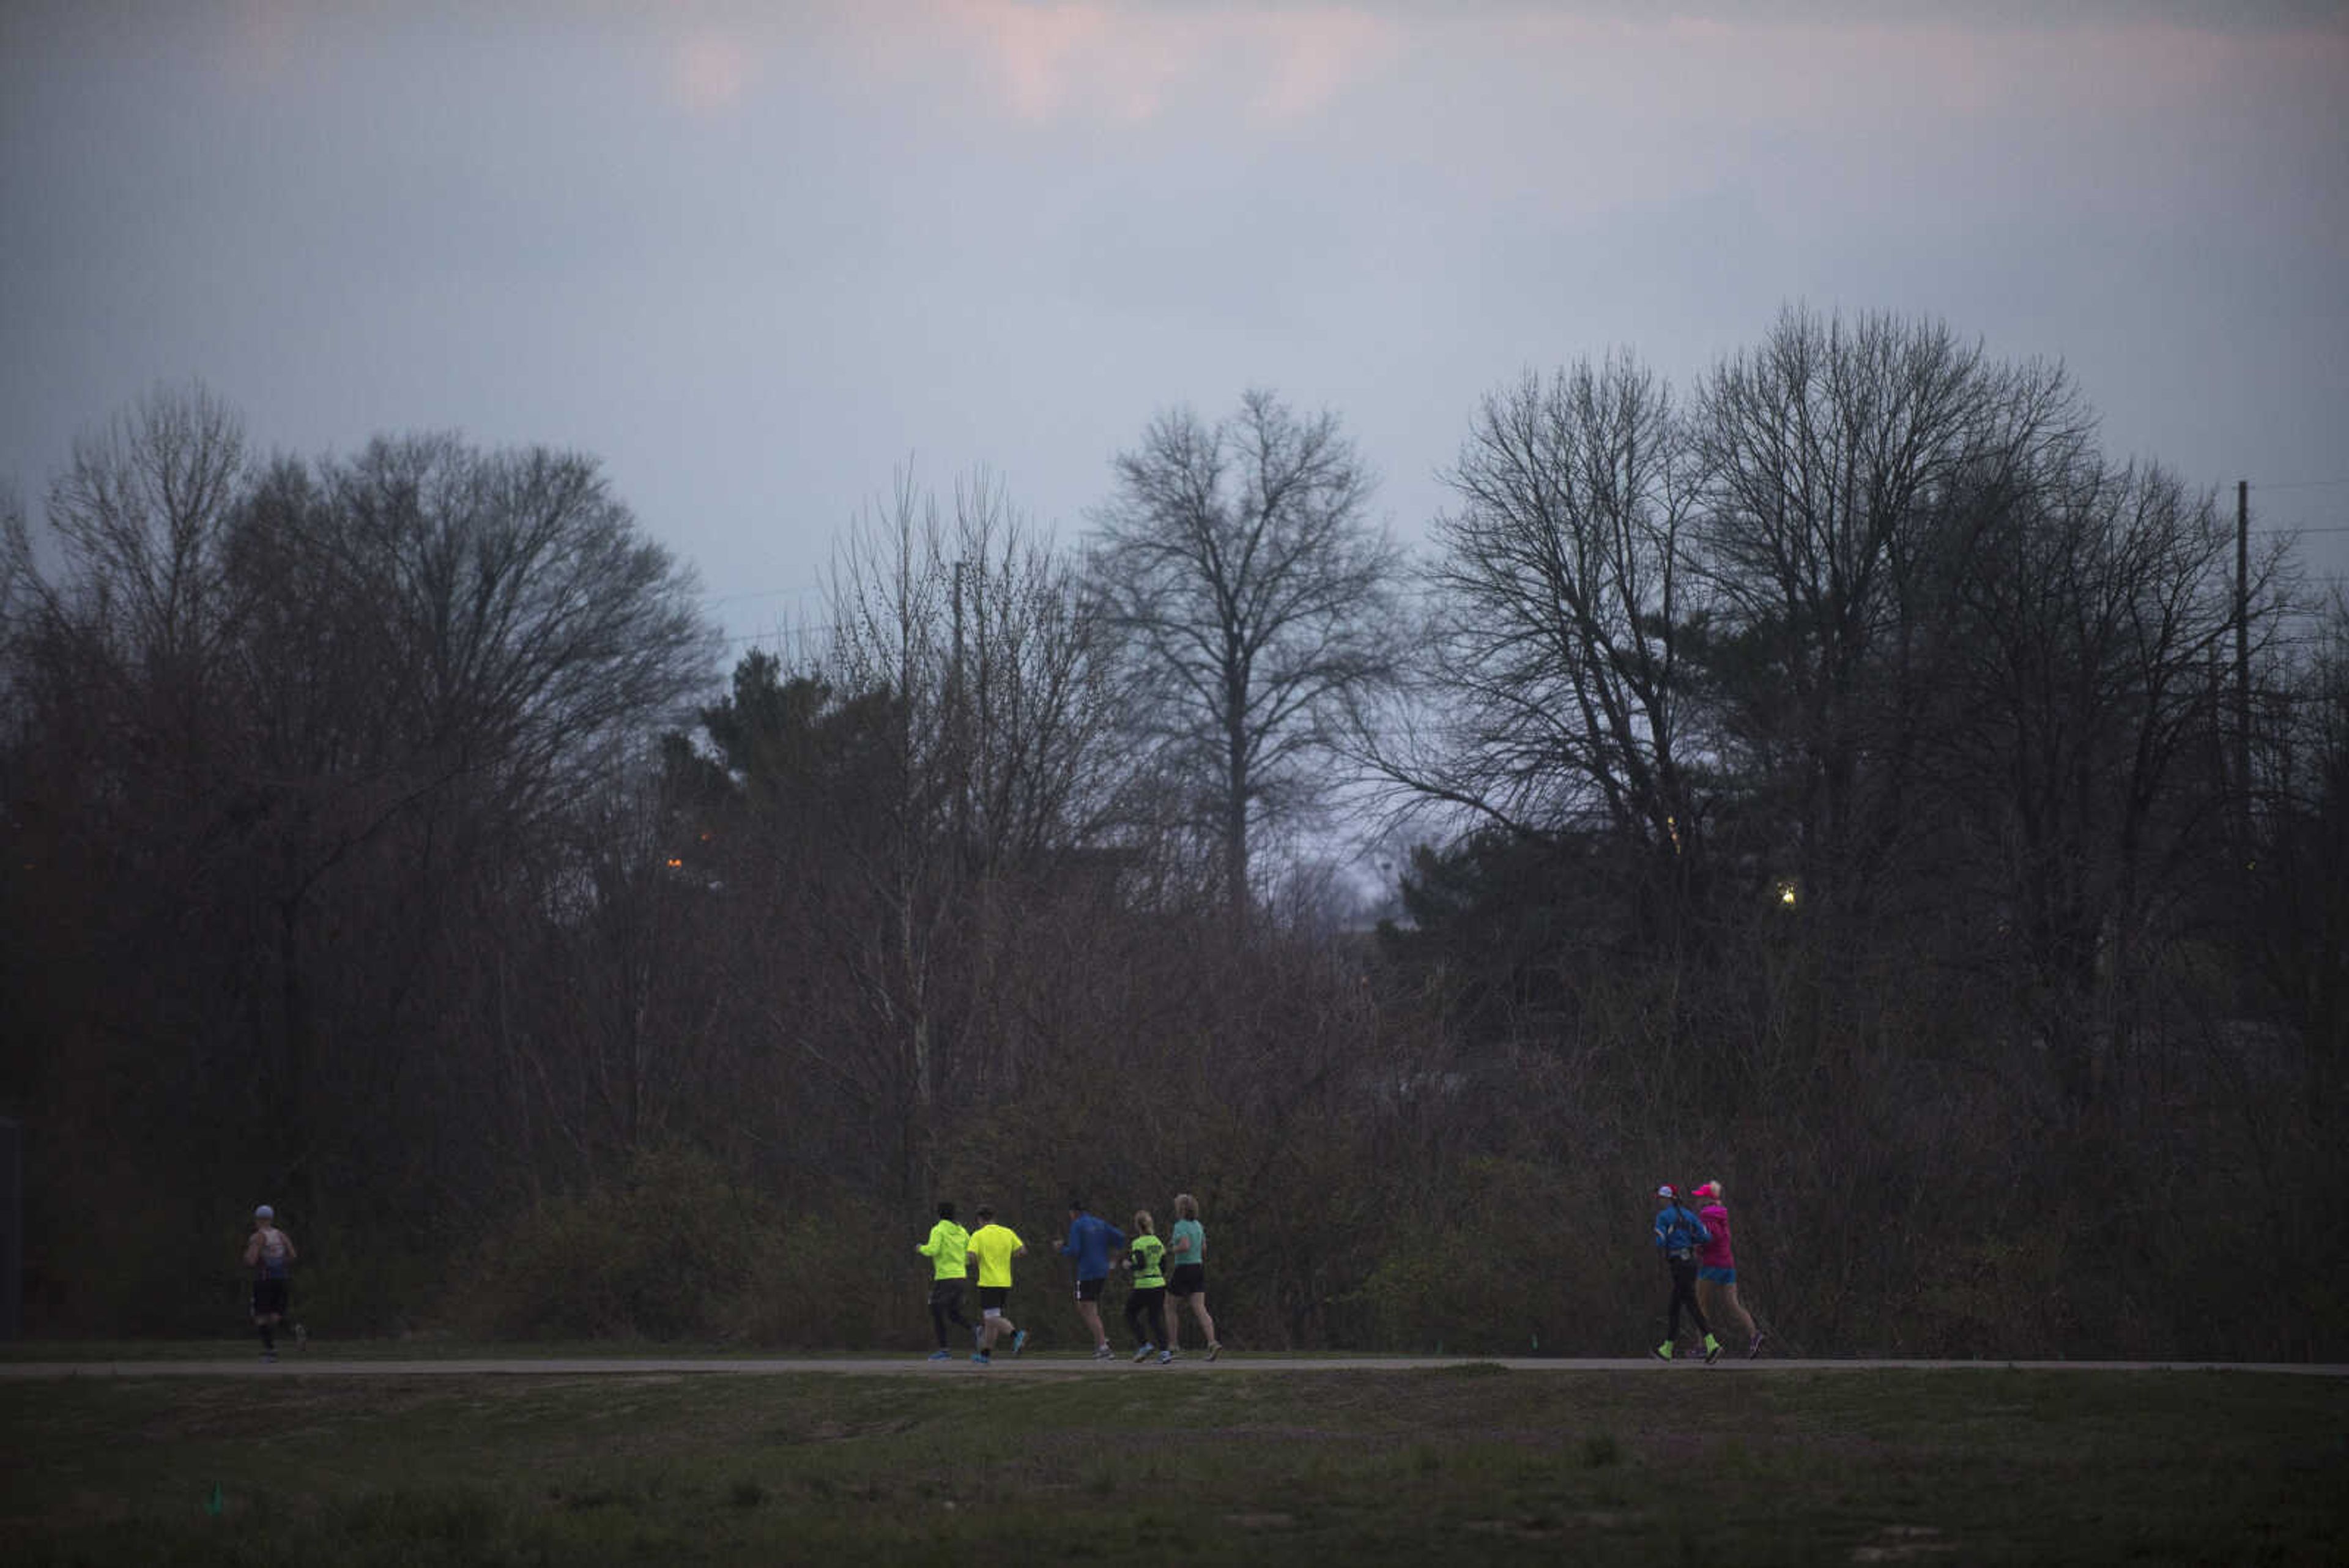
(297, 1364)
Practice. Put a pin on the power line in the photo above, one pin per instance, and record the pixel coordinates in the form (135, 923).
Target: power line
(2303, 484)
(758, 594)
(782, 634)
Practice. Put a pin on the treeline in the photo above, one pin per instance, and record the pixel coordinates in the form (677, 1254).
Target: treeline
(1841, 778)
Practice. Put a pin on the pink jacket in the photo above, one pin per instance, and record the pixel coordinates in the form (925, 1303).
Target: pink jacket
(1714, 1254)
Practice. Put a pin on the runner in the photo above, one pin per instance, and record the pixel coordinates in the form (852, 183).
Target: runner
(1188, 1252)
(1091, 1241)
(1147, 1300)
(995, 1246)
(948, 1249)
(270, 1254)
(1679, 1234)
(1716, 1269)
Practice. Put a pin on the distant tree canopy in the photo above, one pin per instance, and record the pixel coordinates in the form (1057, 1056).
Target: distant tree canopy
(1871, 630)
(1836, 778)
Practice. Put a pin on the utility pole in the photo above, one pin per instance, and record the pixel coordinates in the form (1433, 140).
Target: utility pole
(959, 732)
(2243, 659)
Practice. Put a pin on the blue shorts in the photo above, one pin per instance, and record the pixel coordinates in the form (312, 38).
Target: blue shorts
(1714, 1276)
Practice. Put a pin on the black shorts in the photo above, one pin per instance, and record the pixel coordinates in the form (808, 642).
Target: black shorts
(272, 1297)
(1188, 1279)
(1090, 1290)
(946, 1294)
(992, 1297)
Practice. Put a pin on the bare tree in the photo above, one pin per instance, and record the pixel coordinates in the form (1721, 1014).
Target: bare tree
(143, 515)
(1255, 597)
(1552, 669)
(1832, 455)
(963, 685)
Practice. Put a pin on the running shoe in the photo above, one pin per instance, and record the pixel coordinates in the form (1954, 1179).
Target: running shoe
(1164, 1357)
(1711, 1350)
(301, 1336)
(1143, 1353)
(983, 1358)
(940, 1354)
(1103, 1353)
(1213, 1350)
(1662, 1352)
(1754, 1349)
(1018, 1340)
(268, 1355)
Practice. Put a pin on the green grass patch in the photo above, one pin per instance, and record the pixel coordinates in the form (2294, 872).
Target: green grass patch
(1465, 1465)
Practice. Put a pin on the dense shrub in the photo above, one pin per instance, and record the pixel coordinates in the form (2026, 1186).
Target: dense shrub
(664, 1250)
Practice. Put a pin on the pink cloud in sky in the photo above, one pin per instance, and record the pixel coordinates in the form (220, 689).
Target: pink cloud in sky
(1091, 58)
(709, 68)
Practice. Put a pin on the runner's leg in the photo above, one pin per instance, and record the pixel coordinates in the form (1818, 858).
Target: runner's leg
(1730, 1299)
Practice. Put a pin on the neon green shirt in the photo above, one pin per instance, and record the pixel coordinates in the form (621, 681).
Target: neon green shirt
(947, 1248)
(1146, 1252)
(993, 1246)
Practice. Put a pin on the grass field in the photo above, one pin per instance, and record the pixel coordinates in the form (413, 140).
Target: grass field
(1474, 1463)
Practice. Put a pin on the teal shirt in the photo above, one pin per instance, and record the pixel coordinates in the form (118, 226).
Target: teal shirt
(1196, 1252)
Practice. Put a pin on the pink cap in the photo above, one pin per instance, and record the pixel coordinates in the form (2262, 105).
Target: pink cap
(1709, 1190)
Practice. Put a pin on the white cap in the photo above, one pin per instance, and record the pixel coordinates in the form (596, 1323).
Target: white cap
(264, 1213)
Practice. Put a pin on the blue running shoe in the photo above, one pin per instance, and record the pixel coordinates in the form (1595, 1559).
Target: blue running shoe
(1019, 1342)
(983, 1359)
(940, 1354)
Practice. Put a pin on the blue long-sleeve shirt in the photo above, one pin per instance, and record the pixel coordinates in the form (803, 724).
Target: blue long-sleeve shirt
(1678, 1230)
(1090, 1241)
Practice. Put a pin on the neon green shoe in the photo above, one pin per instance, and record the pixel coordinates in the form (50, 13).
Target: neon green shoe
(1662, 1352)
(1711, 1350)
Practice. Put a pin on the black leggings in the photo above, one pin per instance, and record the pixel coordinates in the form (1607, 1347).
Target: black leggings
(943, 1313)
(1684, 1292)
(1146, 1299)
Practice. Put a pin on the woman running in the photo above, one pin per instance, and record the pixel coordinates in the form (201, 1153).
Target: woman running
(1147, 1300)
(1716, 1269)
(1679, 1233)
(1188, 1282)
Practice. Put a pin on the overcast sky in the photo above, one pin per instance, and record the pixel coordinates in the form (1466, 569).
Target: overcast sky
(756, 256)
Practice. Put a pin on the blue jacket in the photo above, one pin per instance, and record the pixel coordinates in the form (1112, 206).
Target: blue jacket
(1679, 1231)
(1090, 1243)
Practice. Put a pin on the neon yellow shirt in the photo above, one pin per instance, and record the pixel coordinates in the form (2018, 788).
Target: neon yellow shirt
(1146, 1252)
(993, 1245)
(946, 1246)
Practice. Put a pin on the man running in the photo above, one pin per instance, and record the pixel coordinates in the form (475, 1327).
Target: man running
(1679, 1234)
(995, 1246)
(1091, 1241)
(948, 1249)
(269, 1253)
